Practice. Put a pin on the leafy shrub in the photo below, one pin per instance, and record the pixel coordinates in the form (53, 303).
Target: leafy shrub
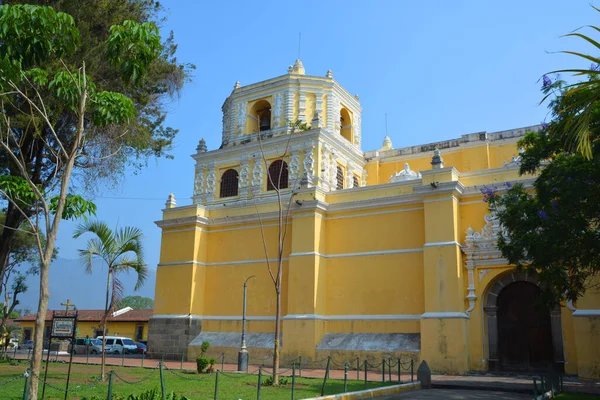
(201, 364)
(204, 347)
(269, 381)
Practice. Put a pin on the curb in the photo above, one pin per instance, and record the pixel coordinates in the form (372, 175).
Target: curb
(372, 393)
(499, 388)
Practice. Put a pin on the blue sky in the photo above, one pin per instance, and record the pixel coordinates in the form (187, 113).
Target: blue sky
(439, 69)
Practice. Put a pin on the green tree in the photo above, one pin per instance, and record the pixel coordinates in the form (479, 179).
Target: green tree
(552, 228)
(107, 153)
(23, 253)
(137, 303)
(576, 108)
(121, 251)
(45, 94)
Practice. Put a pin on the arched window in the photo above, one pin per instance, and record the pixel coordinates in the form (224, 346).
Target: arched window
(260, 117)
(229, 183)
(346, 125)
(340, 178)
(355, 181)
(278, 175)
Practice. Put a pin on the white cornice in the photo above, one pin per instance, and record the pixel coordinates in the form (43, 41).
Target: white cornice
(357, 317)
(586, 313)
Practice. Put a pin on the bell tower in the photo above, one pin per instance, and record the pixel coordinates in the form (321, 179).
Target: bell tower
(328, 153)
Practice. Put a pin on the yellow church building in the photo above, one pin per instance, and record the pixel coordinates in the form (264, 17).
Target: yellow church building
(388, 253)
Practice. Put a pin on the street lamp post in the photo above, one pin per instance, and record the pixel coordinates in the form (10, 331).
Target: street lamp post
(243, 353)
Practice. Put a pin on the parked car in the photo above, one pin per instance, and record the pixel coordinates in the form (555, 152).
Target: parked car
(119, 344)
(27, 344)
(141, 348)
(94, 346)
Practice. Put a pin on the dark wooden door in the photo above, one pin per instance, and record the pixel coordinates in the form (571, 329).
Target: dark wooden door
(524, 332)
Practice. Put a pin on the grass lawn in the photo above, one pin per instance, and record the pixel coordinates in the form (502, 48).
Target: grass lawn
(84, 379)
(576, 396)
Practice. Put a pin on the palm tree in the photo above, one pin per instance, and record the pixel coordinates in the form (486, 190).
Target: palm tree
(122, 251)
(576, 102)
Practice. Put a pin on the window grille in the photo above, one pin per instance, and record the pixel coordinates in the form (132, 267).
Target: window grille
(355, 181)
(278, 175)
(229, 183)
(340, 178)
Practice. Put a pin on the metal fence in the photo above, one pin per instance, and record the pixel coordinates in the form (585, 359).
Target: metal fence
(392, 371)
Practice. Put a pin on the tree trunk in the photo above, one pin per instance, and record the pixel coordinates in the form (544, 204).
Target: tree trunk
(104, 323)
(51, 233)
(40, 323)
(277, 336)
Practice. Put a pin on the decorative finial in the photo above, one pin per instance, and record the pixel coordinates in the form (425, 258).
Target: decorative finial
(356, 97)
(437, 161)
(329, 74)
(171, 201)
(298, 68)
(237, 85)
(201, 146)
(290, 69)
(387, 144)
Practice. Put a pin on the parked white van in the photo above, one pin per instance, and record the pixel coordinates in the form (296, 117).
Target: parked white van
(119, 345)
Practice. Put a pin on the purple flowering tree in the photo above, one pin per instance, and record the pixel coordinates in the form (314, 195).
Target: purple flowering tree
(552, 227)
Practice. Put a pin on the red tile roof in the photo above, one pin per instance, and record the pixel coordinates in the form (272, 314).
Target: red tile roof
(12, 322)
(95, 315)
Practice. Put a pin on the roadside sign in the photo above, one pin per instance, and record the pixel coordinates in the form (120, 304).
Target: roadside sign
(63, 327)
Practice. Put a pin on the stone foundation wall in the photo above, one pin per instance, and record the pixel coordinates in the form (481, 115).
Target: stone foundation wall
(170, 337)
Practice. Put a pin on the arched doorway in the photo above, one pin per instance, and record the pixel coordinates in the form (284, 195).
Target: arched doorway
(521, 336)
(524, 331)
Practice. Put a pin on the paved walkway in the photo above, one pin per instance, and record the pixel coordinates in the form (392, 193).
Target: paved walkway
(456, 394)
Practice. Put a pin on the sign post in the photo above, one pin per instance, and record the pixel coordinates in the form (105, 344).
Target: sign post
(63, 327)
(67, 326)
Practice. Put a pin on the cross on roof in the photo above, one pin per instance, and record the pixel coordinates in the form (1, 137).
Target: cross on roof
(67, 305)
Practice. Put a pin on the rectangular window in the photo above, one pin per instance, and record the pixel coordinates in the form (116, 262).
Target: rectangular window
(27, 334)
(340, 178)
(97, 332)
(139, 332)
(47, 331)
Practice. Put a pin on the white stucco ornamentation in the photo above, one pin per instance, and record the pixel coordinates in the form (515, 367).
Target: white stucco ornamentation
(225, 137)
(483, 272)
(333, 171)
(199, 181)
(294, 166)
(278, 110)
(406, 174)
(309, 161)
(515, 160)
(241, 118)
(337, 107)
(211, 180)
(325, 164)
(481, 249)
(365, 175)
(350, 174)
(244, 175)
(357, 130)
(257, 173)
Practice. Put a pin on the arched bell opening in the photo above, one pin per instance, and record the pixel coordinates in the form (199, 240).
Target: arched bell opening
(260, 117)
(346, 125)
